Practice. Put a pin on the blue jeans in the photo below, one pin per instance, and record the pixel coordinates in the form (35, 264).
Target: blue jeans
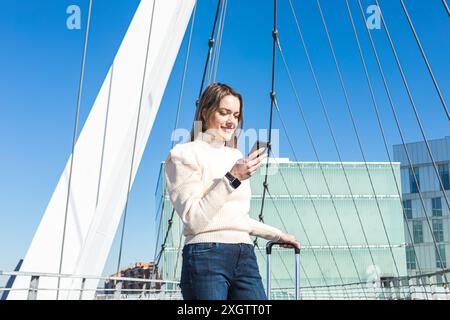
(220, 271)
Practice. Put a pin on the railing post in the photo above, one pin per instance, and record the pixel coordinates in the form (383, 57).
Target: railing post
(393, 293)
(404, 287)
(118, 290)
(432, 280)
(373, 288)
(445, 285)
(412, 288)
(424, 285)
(144, 289)
(83, 281)
(33, 291)
(401, 292)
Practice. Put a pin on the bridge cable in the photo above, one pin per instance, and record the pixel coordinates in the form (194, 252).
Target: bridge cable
(419, 44)
(405, 83)
(180, 99)
(214, 63)
(413, 105)
(324, 109)
(357, 134)
(135, 138)
(325, 180)
(397, 122)
(446, 7)
(210, 49)
(272, 96)
(376, 109)
(74, 140)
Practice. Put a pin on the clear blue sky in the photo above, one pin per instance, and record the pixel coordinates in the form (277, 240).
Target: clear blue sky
(40, 65)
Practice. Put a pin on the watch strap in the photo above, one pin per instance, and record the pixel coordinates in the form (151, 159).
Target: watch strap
(235, 182)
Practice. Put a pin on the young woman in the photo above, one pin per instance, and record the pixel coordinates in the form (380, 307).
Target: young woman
(209, 187)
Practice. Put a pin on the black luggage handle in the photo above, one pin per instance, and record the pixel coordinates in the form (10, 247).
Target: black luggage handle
(270, 244)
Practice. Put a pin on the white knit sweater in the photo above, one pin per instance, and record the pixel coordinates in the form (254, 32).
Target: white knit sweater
(210, 208)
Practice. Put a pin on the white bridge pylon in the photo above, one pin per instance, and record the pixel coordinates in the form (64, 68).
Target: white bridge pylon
(91, 226)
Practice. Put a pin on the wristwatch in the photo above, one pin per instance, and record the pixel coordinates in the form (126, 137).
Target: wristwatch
(235, 182)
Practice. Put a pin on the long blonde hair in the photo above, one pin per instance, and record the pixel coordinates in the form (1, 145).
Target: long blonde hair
(209, 103)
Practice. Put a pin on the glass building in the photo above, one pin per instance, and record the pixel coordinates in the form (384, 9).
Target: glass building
(349, 233)
(427, 212)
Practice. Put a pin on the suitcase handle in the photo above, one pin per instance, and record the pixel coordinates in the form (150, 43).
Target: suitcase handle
(270, 244)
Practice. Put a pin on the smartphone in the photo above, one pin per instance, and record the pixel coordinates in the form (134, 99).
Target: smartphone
(258, 144)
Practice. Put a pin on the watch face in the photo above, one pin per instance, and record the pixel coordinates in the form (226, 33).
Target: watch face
(236, 183)
(233, 180)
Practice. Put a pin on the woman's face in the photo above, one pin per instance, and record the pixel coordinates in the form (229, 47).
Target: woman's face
(224, 120)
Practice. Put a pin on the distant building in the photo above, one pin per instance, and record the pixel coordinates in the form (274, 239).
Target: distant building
(431, 216)
(293, 212)
(141, 270)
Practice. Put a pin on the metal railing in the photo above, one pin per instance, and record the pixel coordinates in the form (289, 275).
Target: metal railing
(416, 287)
(102, 293)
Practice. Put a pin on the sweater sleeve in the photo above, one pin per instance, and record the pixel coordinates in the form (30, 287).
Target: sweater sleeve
(263, 230)
(195, 206)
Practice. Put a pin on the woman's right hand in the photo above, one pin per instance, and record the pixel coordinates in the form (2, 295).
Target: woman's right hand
(289, 241)
(245, 168)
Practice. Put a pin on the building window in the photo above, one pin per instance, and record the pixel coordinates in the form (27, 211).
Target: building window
(407, 209)
(439, 280)
(410, 259)
(417, 231)
(443, 173)
(414, 187)
(438, 230)
(388, 282)
(436, 206)
(441, 248)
